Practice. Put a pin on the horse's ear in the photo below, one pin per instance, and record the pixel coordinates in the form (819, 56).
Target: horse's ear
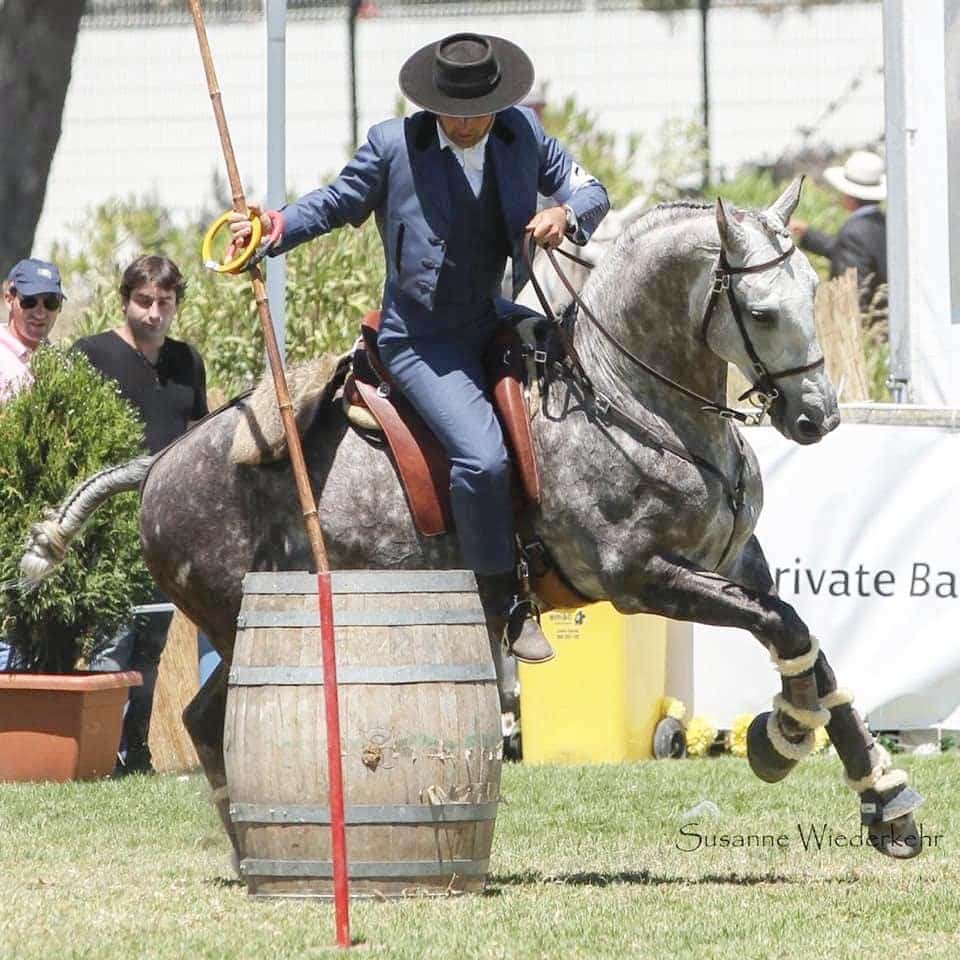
(733, 237)
(782, 208)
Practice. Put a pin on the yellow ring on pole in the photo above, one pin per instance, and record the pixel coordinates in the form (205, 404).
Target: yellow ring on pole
(246, 252)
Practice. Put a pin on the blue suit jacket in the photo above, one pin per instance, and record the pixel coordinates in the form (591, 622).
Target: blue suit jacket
(399, 176)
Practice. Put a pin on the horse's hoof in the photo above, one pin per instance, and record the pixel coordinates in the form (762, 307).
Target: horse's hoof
(876, 807)
(669, 740)
(765, 761)
(900, 838)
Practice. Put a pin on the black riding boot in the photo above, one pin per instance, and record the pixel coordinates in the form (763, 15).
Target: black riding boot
(517, 619)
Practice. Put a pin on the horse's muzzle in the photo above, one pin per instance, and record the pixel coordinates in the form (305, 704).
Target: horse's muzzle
(805, 430)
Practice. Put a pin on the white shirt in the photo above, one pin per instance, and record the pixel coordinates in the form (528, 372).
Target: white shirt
(470, 158)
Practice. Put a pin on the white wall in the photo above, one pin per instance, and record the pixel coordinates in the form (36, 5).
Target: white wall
(138, 119)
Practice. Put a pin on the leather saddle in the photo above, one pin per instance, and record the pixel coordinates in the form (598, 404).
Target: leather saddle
(420, 460)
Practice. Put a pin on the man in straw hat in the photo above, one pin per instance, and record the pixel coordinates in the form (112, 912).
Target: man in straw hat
(862, 240)
(454, 192)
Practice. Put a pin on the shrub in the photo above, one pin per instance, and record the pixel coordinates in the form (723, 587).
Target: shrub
(674, 156)
(68, 425)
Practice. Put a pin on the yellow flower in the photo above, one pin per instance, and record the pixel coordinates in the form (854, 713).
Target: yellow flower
(820, 739)
(700, 735)
(672, 707)
(738, 734)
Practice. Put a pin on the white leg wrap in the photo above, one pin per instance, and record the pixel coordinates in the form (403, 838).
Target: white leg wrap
(878, 779)
(840, 697)
(811, 719)
(792, 751)
(885, 760)
(794, 666)
(882, 777)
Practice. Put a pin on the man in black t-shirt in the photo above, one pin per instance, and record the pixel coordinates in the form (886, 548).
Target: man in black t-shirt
(162, 377)
(166, 381)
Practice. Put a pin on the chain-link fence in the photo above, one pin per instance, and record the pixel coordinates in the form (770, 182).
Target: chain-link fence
(134, 13)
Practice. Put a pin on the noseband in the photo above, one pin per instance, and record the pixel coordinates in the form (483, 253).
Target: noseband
(764, 387)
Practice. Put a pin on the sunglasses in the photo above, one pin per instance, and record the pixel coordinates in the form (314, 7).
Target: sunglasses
(50, 301)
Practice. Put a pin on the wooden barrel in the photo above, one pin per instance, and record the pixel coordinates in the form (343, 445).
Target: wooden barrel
(420, 731)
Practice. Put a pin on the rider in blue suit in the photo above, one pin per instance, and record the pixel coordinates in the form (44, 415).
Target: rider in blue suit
(454, 192)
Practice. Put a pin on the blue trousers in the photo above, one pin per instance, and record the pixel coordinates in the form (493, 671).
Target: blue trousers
(443, 378)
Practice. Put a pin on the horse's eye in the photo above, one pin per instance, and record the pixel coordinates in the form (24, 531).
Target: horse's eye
(766, 317)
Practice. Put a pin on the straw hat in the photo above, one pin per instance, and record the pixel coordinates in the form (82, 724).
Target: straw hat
(861, 177)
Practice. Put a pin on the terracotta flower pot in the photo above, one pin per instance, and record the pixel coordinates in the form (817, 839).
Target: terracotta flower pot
(61, 726)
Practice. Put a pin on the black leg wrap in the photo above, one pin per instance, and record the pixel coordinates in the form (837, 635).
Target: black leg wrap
(852, 740)
(765, 761)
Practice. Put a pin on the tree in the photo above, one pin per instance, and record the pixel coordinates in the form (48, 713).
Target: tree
(37, 41)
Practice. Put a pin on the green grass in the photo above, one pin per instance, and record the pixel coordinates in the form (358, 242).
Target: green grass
(585, 864)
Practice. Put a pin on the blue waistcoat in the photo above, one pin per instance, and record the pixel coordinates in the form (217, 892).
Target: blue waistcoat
(477, 248)
(401, 176)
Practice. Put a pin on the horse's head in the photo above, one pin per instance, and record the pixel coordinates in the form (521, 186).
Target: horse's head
(764, 319)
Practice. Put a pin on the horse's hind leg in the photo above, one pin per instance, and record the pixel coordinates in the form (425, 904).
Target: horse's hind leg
(809, 697)
(203, 719)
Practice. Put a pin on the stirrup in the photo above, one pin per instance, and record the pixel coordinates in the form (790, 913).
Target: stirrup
(520, 610)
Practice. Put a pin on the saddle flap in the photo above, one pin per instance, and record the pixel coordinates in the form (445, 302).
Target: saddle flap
(505, 373)
(423, 467)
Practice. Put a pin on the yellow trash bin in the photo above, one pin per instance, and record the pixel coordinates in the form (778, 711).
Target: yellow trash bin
(599, 700)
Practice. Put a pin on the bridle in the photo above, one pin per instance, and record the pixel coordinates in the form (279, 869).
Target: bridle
(763, 391)
(764, 387)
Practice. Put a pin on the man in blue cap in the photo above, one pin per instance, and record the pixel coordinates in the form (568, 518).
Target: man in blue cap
(33, 295)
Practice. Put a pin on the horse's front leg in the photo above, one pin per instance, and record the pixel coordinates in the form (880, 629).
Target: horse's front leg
(809, 697)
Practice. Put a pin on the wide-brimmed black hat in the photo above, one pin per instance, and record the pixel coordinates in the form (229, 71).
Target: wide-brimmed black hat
(467, 75)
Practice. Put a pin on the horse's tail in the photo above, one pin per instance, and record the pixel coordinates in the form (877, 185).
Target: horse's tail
(49, 540)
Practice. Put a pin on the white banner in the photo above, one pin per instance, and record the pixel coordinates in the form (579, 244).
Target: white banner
(861, 533)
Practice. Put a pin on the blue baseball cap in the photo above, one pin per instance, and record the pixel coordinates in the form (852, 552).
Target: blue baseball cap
(31, 277)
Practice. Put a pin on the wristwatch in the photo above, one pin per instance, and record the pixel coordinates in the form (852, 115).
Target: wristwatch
(572, 225)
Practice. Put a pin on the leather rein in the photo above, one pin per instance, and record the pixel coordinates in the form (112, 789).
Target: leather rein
(764, 387)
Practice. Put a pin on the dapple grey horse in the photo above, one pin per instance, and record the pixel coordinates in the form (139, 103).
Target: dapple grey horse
(649, 500)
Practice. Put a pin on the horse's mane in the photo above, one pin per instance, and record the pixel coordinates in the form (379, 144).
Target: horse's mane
(666, 214)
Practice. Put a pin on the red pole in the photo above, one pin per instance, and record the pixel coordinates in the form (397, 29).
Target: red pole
(338, 846)
(338, 841)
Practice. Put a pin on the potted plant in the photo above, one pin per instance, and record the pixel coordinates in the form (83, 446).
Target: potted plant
(58, 722)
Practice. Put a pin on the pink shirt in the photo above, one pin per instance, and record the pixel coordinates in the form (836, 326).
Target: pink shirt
(14, 357)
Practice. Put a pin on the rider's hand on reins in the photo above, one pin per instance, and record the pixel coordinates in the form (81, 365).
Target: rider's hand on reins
(548, 227)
